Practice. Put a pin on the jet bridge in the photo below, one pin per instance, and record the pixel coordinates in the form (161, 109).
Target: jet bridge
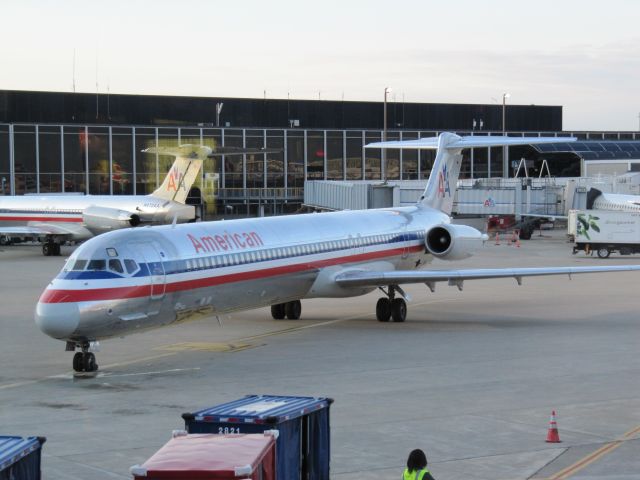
(474, 197)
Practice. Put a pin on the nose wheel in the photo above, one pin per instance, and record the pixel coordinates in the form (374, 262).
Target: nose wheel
(391, 308)
(85, 361)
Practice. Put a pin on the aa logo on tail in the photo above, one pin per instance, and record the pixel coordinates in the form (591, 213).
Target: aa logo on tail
(175, 180)
(443, 182)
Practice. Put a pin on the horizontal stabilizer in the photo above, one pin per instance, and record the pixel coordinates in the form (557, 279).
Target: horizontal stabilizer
(219, 151)
(470, 141)
(184, 151)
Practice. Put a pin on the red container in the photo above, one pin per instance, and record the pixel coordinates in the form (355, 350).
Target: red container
(211, 457)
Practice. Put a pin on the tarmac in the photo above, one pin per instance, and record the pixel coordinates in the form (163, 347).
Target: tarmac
(471, 377)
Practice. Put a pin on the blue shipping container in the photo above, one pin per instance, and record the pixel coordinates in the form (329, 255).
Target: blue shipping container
(20, 458)
(302, 449)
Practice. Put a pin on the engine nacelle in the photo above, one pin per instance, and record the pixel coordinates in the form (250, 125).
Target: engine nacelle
(103, 219)
(453, 242)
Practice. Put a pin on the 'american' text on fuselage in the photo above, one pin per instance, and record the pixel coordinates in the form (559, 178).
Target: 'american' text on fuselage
(225, 242)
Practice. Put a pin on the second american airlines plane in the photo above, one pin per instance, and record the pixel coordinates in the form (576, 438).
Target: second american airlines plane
(58, 218)
(132, 280)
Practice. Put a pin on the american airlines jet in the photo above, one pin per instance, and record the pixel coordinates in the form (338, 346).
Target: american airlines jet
(58, 218)
(136, 279)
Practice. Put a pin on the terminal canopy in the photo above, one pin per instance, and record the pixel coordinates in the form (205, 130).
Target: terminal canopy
(594, 149)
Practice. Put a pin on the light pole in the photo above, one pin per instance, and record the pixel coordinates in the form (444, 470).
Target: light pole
(219, 106)
(504, 111)
(505, 150)
(387, 91)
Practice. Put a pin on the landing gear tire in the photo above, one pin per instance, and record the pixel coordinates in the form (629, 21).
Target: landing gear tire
(398, 310)
(89, 362)
(77, 361)
(277, 311)
(293, 310)
(84, 362)
(603, 252)
(5, 240)
(383, 309)
(50, 249)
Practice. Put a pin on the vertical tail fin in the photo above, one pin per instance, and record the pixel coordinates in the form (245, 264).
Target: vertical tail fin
(183, 172)
(443, 179)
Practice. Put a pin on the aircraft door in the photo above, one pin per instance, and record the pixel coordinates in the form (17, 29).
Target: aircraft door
(151, 254)
(156, 269)
(405, 241)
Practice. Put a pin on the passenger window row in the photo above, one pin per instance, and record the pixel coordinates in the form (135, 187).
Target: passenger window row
(233, 259)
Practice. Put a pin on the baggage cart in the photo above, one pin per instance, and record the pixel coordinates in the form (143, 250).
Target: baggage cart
(20, 458)
(303, 446)
(212, 457)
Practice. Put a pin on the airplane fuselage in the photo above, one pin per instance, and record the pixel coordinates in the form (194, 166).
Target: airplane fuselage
(149, 277)
(66, 212)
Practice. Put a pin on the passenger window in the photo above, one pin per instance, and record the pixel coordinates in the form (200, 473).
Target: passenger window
(115, 265)
(130, 265)
(79, 265)
(97, 265)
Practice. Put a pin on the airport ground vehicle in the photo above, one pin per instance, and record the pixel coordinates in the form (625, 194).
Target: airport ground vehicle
(605, 231)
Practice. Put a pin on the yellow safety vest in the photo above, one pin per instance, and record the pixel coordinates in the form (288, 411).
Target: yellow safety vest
(415, 475)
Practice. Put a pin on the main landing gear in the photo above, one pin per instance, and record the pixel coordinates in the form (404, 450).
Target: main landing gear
(291, 310)
(391, 308)
(84, 361)
(50, 248)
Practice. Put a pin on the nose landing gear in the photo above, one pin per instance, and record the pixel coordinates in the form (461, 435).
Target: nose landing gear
(84, 361)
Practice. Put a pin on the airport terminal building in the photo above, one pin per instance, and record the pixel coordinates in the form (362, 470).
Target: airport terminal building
(94, 143)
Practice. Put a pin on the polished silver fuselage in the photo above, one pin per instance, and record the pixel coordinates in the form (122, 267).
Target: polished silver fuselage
(210, 268)
(64, 213)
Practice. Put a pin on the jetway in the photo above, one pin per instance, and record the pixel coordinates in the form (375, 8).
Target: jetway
(480, 197)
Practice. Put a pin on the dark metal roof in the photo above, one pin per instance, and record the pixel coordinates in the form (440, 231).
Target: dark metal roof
(13, 449)
(252, 407)
(594, 150)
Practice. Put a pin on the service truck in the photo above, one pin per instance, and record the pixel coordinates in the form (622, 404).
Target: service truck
(604, 231)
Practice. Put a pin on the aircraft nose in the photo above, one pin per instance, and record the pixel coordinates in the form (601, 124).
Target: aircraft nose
(58, 320)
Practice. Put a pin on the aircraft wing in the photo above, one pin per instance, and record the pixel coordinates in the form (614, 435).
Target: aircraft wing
(456, 278)
(470, 141)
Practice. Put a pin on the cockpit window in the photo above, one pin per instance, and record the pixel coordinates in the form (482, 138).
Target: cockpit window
(79, 265)
(115, 265)
(97, 265)
(112, 252)
(130, 265)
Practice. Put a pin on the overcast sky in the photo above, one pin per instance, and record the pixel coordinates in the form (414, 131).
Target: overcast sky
(583, 55)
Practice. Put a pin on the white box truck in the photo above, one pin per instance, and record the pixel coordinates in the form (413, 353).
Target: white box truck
(604, 231)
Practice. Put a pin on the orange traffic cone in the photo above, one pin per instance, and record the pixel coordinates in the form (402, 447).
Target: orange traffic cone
(497, 238)
(552, 433)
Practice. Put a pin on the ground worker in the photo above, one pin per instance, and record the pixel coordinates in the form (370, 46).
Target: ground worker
(417, 467)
